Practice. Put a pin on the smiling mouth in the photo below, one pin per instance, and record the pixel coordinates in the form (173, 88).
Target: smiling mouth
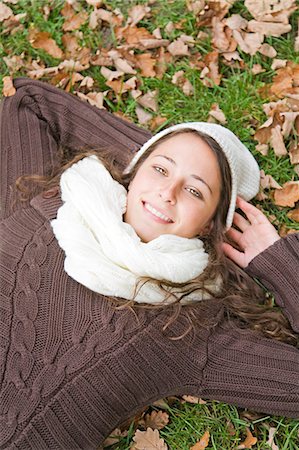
(157, 213)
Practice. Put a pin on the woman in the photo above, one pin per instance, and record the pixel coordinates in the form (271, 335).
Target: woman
(74, 365)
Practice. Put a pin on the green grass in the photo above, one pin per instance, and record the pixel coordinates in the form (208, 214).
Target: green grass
(239, 96)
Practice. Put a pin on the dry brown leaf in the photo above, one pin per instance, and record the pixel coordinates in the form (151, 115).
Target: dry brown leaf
(70, 43)
(114, 437)
(249, 441)
(271, 10)
(288, 195)
(74, 22)
(15, 62)
(294, 153)
(220, 39)
(42, 40)
(110, 74)
(236, 22)
(5, 12)
(149, 100)
(256, 69)
(153, 43)
(294, 214)
(268, 182)
(146, 64)
(268, 50)
(210, 74)
(137, 13)
(88, 82)
(278, 63)
(289, 122)
(178, 48)
(8, 87)
(277, 142)
(133, 35)
(286, 81)
(248, 42)
(94, 98)
(195, 6)
(217, 114)
(149, 440)
(157, 122)
(155, 420)
(203, 443)
(143, 116)
(296, 45)
(193, 399)
(270, 441)
(95, 3)
(268, 28)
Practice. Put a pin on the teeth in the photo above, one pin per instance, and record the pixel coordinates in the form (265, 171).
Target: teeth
(157, 213)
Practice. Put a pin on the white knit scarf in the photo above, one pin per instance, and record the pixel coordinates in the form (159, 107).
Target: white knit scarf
(104, 253)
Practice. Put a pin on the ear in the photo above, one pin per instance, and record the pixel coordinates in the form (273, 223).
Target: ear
(207, 229)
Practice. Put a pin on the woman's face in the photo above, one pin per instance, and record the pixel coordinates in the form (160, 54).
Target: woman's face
(176, 189)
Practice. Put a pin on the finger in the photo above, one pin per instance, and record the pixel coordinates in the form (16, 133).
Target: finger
(235, 235)
(233, 254)
(240, 222)
(253, 214)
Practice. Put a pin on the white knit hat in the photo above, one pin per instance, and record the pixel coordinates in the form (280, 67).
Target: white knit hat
(244, 169)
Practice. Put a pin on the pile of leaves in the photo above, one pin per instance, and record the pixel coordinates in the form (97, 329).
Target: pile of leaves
(148, 60)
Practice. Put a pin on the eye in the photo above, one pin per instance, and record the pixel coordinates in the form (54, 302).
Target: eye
(195, 193)
(160, 170)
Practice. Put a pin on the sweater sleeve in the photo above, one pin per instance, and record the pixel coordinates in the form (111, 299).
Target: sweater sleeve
(40, 118)
(278, 270)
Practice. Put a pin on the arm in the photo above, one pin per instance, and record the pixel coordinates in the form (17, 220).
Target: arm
(264, 255)
(40, 118)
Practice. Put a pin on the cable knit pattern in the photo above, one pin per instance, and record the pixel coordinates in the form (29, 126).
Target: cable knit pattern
(72, 366)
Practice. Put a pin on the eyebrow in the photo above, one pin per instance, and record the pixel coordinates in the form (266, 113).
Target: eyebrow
(192, 175)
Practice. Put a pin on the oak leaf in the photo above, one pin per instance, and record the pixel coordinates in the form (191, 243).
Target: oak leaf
(217, 114)
(146, 64)
(236, 22)
(5, 12)
(294, 153)
(149, 440)
(155, 420)
(278, 63)
(203, 443)
(157, 122)
(149, 100)
(143, 116)
(277, 142)
(268, 50)
(94, 98)
(268, 28)
(256, 69)
(193, 399)
(271, 10)
(248, 42)
(137, 13)
(8, 87)
(74, 22)
(268, 182)
(288, 195)
(294, 214)
(178, 48)
(249, 441)
(43, 40)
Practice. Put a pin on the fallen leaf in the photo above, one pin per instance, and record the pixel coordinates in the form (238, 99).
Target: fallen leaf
(146, 64)
(278, 63)
(178, 48)
(270, 441)
(5, 12)
(155, 420)
(110, 74)
(88, 82)
(43, 40)
(217, 113)
(248, 42)
(8, 87)
(75, 22)
(277, 142)
(268, 50)
(294, 153)
(256, 69)
(153, 43)
(157, 122)
(193, 399)
(203, 443)
(268, 182)
(270, 10)
(137, 13)
(210, 74)
(294, 214)
(149, 440)
(94, 98)
(143, 116)
(236, 22)
(288, 195)
(149, 100)
(249, 441)
(269, 28)
(70, 43)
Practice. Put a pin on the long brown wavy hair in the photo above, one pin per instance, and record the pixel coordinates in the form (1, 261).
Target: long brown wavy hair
(240, 300)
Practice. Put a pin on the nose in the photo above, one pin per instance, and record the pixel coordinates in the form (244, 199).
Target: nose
(167, 193)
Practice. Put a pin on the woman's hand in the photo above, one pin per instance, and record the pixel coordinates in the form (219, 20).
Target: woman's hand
(253, 236)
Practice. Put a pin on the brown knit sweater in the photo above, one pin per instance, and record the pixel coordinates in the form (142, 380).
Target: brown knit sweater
(72, 367)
